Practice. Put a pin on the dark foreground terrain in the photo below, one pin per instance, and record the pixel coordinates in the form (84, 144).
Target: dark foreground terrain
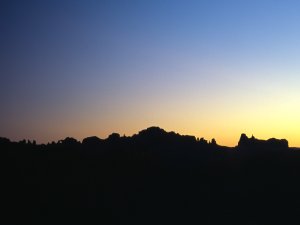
(153, 177)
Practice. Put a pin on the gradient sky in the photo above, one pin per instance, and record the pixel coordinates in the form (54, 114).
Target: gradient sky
(206, 68)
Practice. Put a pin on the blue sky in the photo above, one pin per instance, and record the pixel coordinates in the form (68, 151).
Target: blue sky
(207, 68)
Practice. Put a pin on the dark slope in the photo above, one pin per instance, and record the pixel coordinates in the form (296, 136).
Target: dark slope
(154, 177)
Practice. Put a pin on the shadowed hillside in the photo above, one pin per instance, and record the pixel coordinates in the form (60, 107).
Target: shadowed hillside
(153, 177)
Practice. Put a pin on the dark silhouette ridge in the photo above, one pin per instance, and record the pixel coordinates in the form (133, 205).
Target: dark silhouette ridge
(92, 141)
(153, 177)
(271, 143)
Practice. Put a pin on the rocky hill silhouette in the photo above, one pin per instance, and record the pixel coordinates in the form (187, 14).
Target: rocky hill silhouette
(153, 177)
(254, 143)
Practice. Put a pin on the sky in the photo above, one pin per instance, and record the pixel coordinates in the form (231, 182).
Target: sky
(209, 68)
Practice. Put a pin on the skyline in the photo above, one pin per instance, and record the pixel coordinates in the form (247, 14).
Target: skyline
(211, 69)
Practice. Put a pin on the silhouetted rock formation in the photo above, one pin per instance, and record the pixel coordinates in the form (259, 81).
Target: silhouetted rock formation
(254, 143)
(114, 137)
(69, 141)
(153, 177)
(92, 141)
(4, 140)
(158, 136)
(213, 142)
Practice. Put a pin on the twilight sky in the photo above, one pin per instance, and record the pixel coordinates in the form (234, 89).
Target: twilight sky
(210, 68)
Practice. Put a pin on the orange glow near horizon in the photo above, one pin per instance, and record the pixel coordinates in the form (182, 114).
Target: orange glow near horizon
(223, 117)
(224, 126)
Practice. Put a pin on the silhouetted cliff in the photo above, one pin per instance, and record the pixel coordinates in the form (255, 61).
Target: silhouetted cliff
(254, 143)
